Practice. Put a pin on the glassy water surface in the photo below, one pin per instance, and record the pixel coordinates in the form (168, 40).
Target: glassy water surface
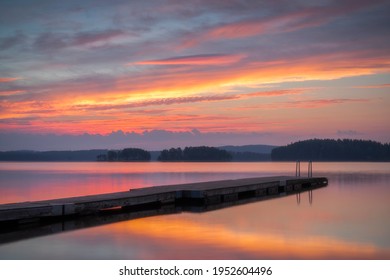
(348, 219)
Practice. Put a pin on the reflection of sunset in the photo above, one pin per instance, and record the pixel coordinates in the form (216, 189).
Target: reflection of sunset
(254, 244)
(345, 220)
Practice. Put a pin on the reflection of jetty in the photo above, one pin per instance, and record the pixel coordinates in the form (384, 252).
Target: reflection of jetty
(29, 219)
(206, 193)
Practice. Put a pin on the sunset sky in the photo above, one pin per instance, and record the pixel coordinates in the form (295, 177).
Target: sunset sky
(158, 74)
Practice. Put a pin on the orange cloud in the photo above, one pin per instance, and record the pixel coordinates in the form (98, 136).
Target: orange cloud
(172, 82)
(155, 102)
(183, 100)
(67, 118)
(67, 107)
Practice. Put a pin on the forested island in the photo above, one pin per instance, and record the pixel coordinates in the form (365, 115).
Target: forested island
(128, 154)
(333, 150)
(202, 153)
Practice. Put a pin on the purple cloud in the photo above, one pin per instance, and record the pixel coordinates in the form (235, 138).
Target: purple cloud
(56, 41)
(85, 38)
(12, 41)
(201, 59)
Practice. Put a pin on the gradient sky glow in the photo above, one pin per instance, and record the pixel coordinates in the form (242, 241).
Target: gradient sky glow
(157, 74)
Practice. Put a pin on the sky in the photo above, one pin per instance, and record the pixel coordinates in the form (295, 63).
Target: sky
(159, 74)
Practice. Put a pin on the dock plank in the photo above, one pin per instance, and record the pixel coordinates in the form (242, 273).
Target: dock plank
(209, 192)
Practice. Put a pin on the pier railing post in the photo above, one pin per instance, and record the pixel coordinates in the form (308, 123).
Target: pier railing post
(310, 169)
(298, 169)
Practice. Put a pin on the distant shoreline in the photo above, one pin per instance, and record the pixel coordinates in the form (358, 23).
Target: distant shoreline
(319, 150)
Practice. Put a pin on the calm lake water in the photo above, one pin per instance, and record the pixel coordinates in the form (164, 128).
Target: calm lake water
(348, 219)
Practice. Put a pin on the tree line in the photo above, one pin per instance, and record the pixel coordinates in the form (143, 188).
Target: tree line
(128, 154)
(314, 149)
(202, 153)
(83, 155)
(333, 150)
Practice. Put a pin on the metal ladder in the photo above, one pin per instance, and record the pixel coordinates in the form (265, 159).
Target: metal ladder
(309, 169)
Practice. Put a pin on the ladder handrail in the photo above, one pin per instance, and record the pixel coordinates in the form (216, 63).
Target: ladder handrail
(298, 169)
(309, 169)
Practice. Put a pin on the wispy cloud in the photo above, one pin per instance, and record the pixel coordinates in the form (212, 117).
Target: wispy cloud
(349, 133)
(11, 92)
(12, 41)
(187, 99)
(288, 21)
(156, 102)
(323, 102)
(374, 86)
(201, 59)
(85, 38)
(277, 92)
(8, 79)
(49, 41)
(307, 104)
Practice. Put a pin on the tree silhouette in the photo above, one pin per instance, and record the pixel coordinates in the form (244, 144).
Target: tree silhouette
(333, 150)
(202, 153)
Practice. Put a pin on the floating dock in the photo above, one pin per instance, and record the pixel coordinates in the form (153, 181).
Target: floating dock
(201, 194)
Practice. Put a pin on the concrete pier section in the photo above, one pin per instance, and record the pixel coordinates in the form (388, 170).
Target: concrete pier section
(204, 194)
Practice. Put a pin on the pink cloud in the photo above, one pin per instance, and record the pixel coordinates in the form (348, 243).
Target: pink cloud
(8, 79)
(11, 92)
(314, 103)
(277, 92)
(287, 22)
(374, 86)
(322, 102)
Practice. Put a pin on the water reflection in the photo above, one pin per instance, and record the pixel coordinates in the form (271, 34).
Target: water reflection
(264, 232)
(210, 241)
(310, 195)
(349, 219)
(15, 232)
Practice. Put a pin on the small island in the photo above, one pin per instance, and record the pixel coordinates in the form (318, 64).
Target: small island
(202, 153)
(128, 154)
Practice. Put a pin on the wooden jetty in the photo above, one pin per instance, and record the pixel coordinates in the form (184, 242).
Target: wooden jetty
(204, 193)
